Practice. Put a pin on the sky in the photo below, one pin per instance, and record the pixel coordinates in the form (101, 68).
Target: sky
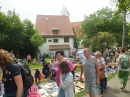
(31, 8)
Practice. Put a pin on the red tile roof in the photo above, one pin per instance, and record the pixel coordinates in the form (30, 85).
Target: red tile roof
(45, 24)
(76, 26)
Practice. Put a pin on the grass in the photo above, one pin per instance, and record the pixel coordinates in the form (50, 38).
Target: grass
(35, 66)
(77, 70)
(80, 94)
(39, 65)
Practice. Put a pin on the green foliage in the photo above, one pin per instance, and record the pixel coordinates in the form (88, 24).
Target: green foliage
(102, 40)
(102, 20)
(37, 39)
(123, 9)
(18, 35)
(123, 5)
(76, 40)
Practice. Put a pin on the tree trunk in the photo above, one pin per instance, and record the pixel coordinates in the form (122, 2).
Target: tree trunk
(123, 34)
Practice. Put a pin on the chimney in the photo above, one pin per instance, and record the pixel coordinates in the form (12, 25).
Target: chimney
(46, 18)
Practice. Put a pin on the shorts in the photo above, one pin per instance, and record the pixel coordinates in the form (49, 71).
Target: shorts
(91, 86)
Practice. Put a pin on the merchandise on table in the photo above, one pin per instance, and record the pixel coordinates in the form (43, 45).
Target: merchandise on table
(48, 89)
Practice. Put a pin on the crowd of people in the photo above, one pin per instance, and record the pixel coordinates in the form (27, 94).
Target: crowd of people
(94, 67)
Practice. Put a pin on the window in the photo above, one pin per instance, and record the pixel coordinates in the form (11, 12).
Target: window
(45, 40)
(66, 39)
(55, 30)
(55, 40)
(49, 40)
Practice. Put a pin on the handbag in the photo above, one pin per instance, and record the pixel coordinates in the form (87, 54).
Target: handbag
(102, 74)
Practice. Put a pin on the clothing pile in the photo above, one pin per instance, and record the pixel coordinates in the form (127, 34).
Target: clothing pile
(79, 85)
(48, 89)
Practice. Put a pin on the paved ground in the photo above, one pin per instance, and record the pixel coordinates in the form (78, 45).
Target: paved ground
(114, 89)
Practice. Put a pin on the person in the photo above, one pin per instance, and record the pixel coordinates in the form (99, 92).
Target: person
(128, 53)
(38, 75)
(40, 57)
(29, 59)
(43, 60)
(91, 73)
(12, 79)
(70, 55)
(123, 60)
(12, 54)
(46, 69)
(66, 80)
(60, 57)
(52, 69)
(102, 65)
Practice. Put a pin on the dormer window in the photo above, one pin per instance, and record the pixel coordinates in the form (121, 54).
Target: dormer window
(55, 30)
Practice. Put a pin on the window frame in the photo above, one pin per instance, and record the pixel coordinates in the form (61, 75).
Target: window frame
(65, 39)
(54, 41)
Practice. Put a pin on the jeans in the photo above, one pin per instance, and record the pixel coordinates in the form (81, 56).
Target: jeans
(102, 85)
(46, 73)
(13, 94)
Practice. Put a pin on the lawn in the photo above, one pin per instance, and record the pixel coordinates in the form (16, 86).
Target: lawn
(39, 65)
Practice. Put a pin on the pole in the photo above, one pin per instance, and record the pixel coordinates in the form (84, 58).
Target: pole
(123, 34)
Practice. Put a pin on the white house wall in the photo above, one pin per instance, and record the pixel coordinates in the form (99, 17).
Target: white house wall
(45, 47)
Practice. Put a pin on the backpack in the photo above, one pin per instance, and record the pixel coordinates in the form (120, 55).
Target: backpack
(32, 91)
(26, 76)
(124, 62)
(25, 73)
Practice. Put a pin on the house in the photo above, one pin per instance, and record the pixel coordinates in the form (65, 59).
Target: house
(57, 33)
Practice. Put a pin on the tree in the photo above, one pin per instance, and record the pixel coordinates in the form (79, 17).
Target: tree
(76, 40)
(124, 8)
(102, 21)
(12, 29)
(102, 40)
(21, 37)
(37, 40)
(30, 33)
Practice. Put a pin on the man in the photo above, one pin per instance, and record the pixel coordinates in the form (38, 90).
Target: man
(91, 73)
(123, 62)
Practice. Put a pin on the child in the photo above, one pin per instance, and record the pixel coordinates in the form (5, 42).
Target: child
(66, 81)
(46, 69)
(38, 75)
(52, 69)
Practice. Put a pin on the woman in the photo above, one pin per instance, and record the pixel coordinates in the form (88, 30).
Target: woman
(13, 84)
(66, 81)
(29, 59)
(123, 71)
(60, 57)
(102, 66)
